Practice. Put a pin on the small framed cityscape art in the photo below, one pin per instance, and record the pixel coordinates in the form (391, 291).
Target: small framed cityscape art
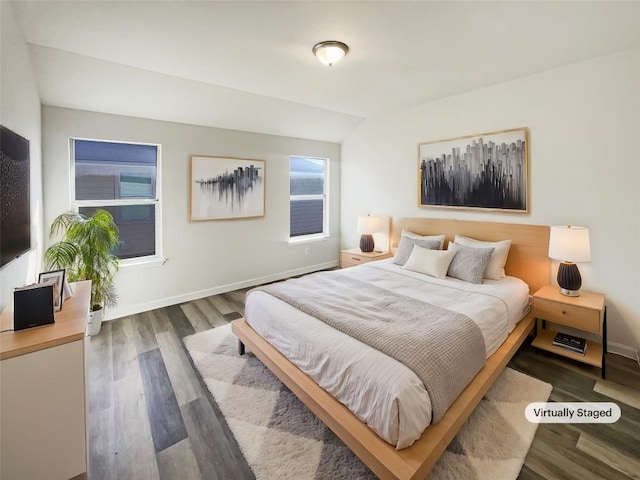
(223, 188)
(487, 171)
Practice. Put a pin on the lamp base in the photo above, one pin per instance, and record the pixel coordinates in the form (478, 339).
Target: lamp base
(569, 279)
(570, 293)
(366, 242)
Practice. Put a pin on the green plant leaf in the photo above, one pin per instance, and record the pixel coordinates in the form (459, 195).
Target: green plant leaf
(60, 255)
(85, 251)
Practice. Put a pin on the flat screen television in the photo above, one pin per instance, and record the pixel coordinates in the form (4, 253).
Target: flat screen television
(15, 213)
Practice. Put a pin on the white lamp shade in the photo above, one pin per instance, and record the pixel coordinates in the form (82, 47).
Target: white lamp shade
(570, 244)
(330, 52)
(370, 224)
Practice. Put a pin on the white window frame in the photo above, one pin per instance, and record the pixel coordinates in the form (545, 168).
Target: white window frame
(325, 204)
(148, 260)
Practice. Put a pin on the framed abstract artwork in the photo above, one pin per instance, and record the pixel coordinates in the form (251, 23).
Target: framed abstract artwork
(487, 171)
(225, 188)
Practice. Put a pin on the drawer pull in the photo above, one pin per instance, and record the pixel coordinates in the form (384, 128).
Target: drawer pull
(356, 259)
(563, 312)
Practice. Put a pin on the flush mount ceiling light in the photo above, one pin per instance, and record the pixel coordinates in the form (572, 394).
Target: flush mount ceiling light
(330, 51)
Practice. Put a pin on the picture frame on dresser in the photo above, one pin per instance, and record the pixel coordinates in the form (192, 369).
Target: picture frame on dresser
(58, 279)
(486, 171)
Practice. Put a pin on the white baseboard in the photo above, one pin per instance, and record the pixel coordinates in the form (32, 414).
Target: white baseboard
(624, 350)
(116, 312)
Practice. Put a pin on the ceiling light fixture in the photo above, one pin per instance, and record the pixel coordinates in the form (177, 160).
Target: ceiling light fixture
(330, 51)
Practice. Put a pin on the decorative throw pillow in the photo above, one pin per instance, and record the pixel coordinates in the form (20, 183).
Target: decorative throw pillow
(495, 268)
(469, 263)
(430, 262)
(405, 247)
(440, 238)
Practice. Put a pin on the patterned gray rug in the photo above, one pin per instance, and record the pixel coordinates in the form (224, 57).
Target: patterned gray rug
(281, 439)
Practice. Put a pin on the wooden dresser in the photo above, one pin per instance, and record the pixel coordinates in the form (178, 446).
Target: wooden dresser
(587, 312)
(355, 256)
(43, 415)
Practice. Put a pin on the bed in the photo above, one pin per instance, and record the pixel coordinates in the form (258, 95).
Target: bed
(376, 444)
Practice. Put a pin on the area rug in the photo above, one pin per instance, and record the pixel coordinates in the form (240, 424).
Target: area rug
(281, 439)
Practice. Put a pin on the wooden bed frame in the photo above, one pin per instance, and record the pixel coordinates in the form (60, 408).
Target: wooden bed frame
(527, 259)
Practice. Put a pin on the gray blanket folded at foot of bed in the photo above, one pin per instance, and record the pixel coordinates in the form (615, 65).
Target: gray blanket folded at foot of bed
(444, 348)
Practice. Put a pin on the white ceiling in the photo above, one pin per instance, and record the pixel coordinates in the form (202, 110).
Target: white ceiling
(249, 66)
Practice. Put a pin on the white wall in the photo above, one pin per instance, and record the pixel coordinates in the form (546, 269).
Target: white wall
(584, 122)
(20, 112)
(204, 258)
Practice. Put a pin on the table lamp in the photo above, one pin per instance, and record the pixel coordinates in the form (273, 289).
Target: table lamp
(569, 244)
(367, 226)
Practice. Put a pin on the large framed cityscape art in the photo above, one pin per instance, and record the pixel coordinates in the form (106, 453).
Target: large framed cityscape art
(225, 188)
(487, 171)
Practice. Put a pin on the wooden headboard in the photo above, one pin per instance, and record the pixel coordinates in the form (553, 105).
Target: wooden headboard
(528, 257)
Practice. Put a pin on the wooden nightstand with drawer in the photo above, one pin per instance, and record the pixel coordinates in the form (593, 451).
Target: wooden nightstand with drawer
(587, 313)
(354, 256)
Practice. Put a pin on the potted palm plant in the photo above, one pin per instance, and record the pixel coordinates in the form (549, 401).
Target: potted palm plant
(84, 250)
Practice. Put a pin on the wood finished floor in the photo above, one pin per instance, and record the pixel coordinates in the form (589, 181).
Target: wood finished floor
(150, 417)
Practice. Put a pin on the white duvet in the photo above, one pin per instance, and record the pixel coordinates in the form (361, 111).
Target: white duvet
(378, 389)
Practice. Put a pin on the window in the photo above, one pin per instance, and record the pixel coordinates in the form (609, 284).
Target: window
(308, 198)
(121, 178)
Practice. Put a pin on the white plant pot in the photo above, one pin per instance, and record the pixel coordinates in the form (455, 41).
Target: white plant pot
(94, 322)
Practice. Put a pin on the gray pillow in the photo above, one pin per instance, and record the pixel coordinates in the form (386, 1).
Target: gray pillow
(469, 263)
(405, 247)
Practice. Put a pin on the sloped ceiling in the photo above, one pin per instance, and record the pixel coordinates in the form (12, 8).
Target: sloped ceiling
(248, 65)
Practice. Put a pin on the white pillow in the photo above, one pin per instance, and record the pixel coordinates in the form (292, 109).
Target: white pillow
(430, 262)
(439, 238)
(495, 268)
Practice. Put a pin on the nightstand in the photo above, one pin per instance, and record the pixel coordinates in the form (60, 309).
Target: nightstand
(354, 256)
(586, 312)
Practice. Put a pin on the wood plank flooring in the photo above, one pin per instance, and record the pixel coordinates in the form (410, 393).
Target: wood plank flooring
(151, 417)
